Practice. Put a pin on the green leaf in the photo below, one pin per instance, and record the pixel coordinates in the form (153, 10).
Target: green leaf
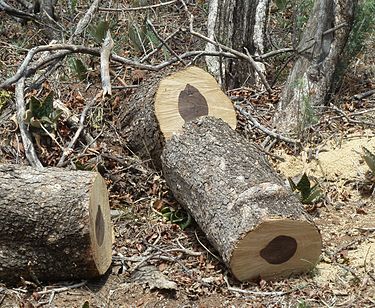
(314, 195)
(4, 97)
(98, 31)
(293, 185)
(281, 4)
(138, 36)
(369, 159)
(86, 304)
(304, 186)
(79, 69)
(187, 222)
(73, 5)
(40, 109)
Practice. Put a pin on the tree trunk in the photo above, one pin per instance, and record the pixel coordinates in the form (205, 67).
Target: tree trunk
(311, 78)
(258, 226)
(163, 104)
(238, 24)
(55, 224)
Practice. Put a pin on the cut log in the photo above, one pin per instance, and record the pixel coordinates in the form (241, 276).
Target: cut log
(253, 220)
(55, 224)
(163, 104)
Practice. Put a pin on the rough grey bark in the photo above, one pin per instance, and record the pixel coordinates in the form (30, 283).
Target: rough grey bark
(164, 103)
(46, 228)
(311, 78)
(138, 123)
(228, 186)
(238, 24)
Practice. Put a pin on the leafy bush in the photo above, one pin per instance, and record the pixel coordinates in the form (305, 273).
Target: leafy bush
(308, 193)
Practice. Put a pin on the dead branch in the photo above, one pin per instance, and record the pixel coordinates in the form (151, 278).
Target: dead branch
(73, 121)
(159, 46)
(259, 72)
(260, 293)
(163, 42)
(15, 12)
(23, 70)
(69, 149)
(364, 94)
(129, 9)
(105, 53)
(30, 153)
(264, 129)
(85, 21)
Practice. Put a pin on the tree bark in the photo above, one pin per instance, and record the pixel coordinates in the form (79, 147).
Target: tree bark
(55, 224)
(238, 24)
(163, 104)
(311, 78)
(253, 220)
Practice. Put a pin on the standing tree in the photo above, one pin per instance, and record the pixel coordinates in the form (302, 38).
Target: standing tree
(310, 81)
(238, 24)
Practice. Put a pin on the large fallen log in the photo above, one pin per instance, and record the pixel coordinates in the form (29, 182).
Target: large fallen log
(253, 220)
(54, 224)
(163, 104)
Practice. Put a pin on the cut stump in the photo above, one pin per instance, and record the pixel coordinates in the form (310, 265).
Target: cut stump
(253, 220)
(163, 104)
(55, 224)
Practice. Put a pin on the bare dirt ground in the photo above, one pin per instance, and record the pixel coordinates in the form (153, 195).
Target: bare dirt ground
(155, 263)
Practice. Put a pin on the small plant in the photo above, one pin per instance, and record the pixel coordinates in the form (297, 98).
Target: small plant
(302, 304)
(4, 97)
(79, 68)
(98, 31)
(41, 114)
(369, 159)
(308, 193)
(179, 216)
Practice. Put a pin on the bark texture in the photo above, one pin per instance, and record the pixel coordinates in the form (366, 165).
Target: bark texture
(258, 225)
(311, 78)
(139, 125)
(164, 103)
(238, 24)
(55, 224)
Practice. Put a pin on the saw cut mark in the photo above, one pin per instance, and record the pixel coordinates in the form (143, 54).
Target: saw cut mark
(279, 250)
(191, 103)
(99, 226)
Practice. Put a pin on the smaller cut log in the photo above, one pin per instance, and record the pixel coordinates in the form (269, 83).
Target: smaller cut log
(254, 221)
(164, 103)
(55, 224)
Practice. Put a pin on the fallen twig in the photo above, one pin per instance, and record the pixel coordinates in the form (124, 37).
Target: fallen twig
(128, 9)
(344, 115)
(364, 94)
(71, 144)
(264, 129)
(163, 42)
(15, 12)
(159, 46)
(260, 293)
(55, 290)
(259, 72)
(28, 145)
(104, 64)
(69, 48)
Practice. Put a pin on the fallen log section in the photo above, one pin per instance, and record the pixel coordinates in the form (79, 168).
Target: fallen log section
(163, 104)
(253, 220)
(54, 224)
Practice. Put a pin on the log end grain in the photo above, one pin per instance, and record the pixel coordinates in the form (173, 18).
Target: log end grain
(276, 248)
(100, 226)
(188, 94)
